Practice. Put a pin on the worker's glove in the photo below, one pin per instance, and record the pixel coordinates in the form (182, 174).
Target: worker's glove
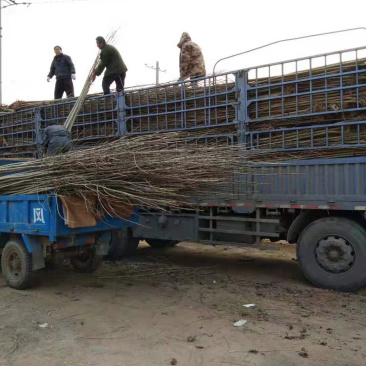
(73, 77)
(48, 78)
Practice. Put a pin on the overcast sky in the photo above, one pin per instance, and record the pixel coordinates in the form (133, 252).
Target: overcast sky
(150, 30)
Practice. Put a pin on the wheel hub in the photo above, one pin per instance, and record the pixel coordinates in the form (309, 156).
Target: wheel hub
(15, 265)
(335, 254)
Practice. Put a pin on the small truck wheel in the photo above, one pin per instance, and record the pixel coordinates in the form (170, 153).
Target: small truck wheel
(16, 264)
(87, 261)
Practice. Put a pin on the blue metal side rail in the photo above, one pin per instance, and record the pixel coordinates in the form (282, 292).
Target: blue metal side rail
(287, 139)
(206, 103)
(278, 112)
(260, 80)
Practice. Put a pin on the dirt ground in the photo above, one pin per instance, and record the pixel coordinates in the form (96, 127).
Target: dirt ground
(178, 307)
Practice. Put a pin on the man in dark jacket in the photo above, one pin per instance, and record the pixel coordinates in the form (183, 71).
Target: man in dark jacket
(56, 140)
(111, 60)
(64, 70)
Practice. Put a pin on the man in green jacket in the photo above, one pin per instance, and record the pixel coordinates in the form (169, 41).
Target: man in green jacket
(111, 60)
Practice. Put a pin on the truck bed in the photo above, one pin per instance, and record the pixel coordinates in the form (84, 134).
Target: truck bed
(42, 215)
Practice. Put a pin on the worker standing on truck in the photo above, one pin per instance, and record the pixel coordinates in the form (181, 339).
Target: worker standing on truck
(191, 62)
(56, 140)
(111, 60)
(64, 69)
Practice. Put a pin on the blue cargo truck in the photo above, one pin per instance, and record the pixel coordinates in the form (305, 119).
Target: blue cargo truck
(306, 120)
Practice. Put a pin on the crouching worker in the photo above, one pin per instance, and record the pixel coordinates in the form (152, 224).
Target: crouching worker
(56, 140)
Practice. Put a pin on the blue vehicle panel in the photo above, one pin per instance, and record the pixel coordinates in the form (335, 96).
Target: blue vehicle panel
(42, 216)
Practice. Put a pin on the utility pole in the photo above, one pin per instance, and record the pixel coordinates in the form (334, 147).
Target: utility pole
(8, 3)
(157, 69)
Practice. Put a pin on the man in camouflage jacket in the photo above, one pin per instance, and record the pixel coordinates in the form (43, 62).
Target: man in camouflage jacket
(191, 62)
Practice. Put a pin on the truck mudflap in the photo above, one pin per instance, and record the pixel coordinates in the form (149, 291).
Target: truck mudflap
(103, 243)
(35, 247)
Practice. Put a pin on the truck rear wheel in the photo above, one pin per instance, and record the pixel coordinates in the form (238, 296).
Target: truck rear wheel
(122, 244)
(332, 253)
(16, 264)
(160, 243)
(87, 261)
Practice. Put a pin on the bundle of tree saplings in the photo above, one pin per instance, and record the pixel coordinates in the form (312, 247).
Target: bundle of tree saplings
(154, 171)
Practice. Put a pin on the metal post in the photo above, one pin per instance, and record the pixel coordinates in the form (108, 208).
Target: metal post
(242, 105)
(121, 119)
(38, 131)
(244, 180)
(157, 72)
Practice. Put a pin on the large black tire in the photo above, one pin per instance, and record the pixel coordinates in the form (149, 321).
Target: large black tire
(87, 262)
(332, 253)
(122, 244)
(16, 264)
(160, 243)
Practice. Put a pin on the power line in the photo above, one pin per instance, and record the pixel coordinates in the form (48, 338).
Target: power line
(287, 40)
(14, 3)
(60, 1)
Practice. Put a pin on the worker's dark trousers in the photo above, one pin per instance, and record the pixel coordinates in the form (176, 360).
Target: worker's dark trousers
(64, 85)
(107, 81)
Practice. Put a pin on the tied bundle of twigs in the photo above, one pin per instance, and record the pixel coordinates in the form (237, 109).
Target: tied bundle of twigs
(20, 105)
(154, 171)
(5, 108)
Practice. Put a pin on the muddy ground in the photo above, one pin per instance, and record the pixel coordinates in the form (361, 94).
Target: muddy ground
(178, 307)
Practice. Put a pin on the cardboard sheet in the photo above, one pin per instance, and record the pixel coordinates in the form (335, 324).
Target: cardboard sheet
(77, 212)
